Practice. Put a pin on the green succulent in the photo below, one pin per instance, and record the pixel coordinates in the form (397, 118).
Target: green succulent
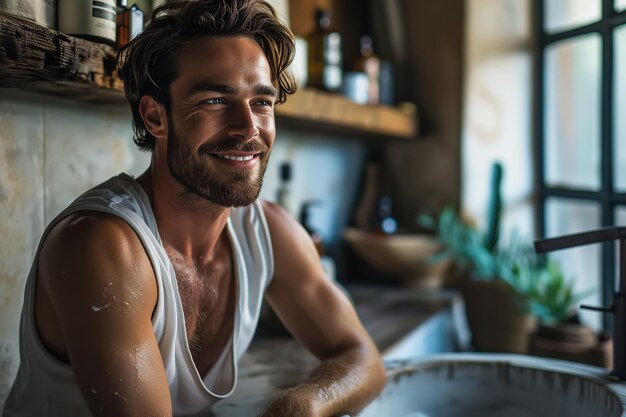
(541, 284)
(462, 244)
(550, 295)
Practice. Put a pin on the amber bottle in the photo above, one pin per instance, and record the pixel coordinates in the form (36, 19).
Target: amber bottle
(129, 21)
(324, 55)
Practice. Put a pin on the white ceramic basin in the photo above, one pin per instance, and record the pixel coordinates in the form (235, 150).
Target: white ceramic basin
(493, 385)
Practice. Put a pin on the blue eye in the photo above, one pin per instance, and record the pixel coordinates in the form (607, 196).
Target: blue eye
(217, 100)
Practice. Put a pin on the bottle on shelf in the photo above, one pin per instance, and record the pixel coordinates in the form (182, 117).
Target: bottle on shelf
(369, 63)
(386, 84)
(89, 19)
(129, 22)
(325, 55)
(283, 196)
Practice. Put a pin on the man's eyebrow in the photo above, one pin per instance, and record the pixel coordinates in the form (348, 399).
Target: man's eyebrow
(218, 88)
(259, 89)
(265, 90)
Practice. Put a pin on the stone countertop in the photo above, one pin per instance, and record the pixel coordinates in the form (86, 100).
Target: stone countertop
(275, 363)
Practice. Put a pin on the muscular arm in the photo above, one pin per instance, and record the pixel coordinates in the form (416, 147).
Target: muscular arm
(99, 289)
(323, 320)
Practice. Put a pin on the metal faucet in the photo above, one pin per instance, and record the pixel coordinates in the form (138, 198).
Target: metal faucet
(618, 309)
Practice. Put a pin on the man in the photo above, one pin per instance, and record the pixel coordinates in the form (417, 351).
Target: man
(144, 293)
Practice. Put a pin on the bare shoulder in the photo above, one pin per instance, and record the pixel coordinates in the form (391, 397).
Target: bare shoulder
(277, 217)
(288, 236)
(89, 251)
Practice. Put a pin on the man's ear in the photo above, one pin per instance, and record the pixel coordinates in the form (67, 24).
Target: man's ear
(154, 116)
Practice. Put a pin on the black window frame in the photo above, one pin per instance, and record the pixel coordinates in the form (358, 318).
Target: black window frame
(606, 196)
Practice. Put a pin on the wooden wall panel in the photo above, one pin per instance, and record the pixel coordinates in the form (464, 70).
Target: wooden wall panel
(426, 173)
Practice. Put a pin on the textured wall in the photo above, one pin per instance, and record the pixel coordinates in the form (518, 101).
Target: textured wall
(50, 151)
(21, 217)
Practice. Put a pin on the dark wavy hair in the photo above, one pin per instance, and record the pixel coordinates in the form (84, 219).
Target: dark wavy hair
(148, 64)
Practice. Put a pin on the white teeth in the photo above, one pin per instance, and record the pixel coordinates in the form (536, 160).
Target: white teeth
(237, 158)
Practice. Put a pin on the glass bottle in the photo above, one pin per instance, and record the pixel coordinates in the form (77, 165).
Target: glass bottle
(385, 222)
(324, 53)
(369, 63)
(283, 195)
(129, 22)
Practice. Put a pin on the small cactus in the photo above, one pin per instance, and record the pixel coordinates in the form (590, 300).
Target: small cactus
(494, 213)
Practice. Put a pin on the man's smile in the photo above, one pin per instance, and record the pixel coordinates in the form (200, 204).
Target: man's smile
(238, 159)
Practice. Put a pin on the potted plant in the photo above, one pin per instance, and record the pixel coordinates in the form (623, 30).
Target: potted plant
(516, 301)
(496, 304)
(560, 333)
(484, 270)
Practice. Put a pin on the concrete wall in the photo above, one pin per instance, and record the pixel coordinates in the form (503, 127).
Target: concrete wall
(53, 150)
(50, 151)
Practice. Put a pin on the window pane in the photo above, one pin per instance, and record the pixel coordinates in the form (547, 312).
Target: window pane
(619, 129)
(620, 220)
(620, 5)
(582, 264)
(567, 14)
(572, 113)
(620, 216)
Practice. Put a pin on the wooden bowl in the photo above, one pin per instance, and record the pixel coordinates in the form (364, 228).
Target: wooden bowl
(407, 258)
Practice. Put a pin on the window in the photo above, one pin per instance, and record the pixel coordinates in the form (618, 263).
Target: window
(580, 86)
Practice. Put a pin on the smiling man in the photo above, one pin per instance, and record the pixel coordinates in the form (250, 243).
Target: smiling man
(145, 292)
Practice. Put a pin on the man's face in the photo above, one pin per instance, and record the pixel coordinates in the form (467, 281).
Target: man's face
(221, 122)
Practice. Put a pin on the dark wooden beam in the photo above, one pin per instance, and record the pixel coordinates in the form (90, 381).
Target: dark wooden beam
(35, 58)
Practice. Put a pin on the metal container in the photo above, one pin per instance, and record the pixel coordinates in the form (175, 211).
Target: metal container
(89, 19)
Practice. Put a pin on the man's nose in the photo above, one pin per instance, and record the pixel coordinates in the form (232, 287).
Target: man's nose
(243, 124)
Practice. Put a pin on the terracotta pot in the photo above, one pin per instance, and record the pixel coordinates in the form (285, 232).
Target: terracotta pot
(496, 318)
(572, 342)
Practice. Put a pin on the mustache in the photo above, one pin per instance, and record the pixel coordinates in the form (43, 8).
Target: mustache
(233, 145)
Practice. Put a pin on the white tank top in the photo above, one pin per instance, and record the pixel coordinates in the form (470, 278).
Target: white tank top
(45, 386)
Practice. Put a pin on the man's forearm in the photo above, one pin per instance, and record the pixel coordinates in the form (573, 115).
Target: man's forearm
(341, 384)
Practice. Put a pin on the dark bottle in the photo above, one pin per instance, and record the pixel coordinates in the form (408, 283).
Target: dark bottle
(369, 63)
(374, 211)
(385, 84)
(304, 221)
(283, 195)
(325, 57)
(129, 21)
(385, 222)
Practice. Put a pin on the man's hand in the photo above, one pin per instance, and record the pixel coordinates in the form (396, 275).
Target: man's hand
(320, 316)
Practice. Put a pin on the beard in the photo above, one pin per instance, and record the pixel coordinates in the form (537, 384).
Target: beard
(199, 176)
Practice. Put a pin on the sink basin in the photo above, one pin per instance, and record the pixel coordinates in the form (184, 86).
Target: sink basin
(495, 385)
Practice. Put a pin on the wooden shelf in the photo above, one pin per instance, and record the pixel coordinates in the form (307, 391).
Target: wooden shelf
(42, 60)
(334, 112)
(35, 58)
